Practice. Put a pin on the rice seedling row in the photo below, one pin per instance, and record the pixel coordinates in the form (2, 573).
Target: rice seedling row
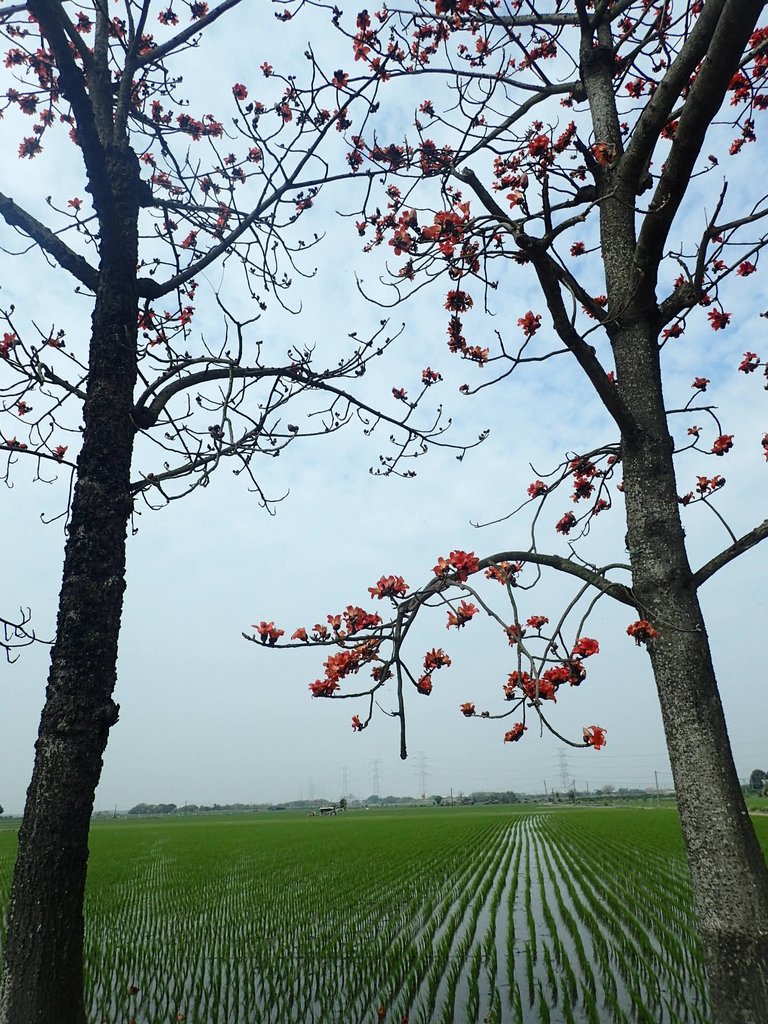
(494, 916)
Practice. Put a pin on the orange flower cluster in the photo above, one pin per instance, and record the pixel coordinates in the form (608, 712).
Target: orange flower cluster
(462, 615)
(269, 633)
(462, 563)
(642, 631)
(389, 586)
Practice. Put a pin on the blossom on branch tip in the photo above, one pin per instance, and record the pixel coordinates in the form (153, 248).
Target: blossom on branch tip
(566, 524)
(745, 269)
(585, 646)
(424, 685)
(458, 301)
(706, 485)
(323, 687)
(642, 631)
(300, 634)
(582, 488)
(718, 319)
(749, 363)
(700, 383)
(594, 736)
(504, 573)
(356, 619)
(463, 564)
(537, 621)
(515, 733)
(723, 444)
(389, 586)
(60, 451)
(467, 709)
(268, 633)
(530, 323)
(462, 615)
(537, 489)
(30, 147)
(357, 725)
(675, 331)
(436, 658)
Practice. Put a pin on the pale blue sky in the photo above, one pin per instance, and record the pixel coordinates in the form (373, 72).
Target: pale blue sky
(206, 716)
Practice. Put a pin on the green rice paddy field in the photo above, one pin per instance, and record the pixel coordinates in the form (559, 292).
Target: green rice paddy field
(434, 915)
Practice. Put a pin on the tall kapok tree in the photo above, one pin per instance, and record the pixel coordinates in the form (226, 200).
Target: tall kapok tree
(654, 98)
(162, 196)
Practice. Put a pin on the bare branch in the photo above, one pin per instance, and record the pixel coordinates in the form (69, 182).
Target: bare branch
(593, 576)
(749, 540)
(49, 242)
(159, 52)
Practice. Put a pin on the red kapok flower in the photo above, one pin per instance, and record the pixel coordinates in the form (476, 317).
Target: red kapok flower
(537, 488)
(429, 376)
(515, 733)
(504, 573)
(462, 615)
(389, 586)
(594, 736)
(723, 444)
(357, 725)
(239, 91)
(718, 319)
(468, 709)
(566, 524)
(463, 563)
(642, 631)
(300, 634)
(584, 647)
(60, 451)
(537, 621)
(530, 323)
(700, 383)
(604, 153)
(424, 685)
(324, 687)
(268, 633)
(436, 658)
(458, 301)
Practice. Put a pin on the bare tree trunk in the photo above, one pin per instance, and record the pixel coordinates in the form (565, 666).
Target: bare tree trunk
(43, 969)
(728, 871)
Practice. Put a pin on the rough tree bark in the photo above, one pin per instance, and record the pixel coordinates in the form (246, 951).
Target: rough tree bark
(728, 871)
(43, 975)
